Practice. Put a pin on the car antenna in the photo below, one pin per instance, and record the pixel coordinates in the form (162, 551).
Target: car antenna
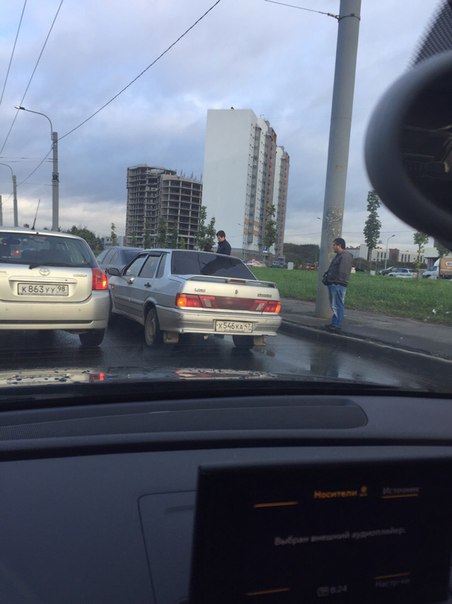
(36, 215)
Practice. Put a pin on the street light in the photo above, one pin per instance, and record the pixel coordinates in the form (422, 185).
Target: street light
(16, 219)
(386, 254)
(55, 176)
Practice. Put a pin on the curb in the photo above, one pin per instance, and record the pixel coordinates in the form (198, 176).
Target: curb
(362, 344)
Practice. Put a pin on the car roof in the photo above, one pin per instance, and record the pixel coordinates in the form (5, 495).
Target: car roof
(25, 231)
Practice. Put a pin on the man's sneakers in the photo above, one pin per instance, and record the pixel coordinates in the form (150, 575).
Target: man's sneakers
(333, 328)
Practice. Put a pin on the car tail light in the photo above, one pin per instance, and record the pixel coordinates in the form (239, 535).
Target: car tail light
(97, 377)
(272, 306)
(100, 281)
(266, 306)
(188, 301)
(227, 303)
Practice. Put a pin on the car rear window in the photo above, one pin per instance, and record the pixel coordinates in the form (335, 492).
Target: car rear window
(203, 263)
(38, 248)
(129, 255)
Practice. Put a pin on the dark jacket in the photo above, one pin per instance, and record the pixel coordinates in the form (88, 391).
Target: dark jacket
(340, 269)
(224, 248)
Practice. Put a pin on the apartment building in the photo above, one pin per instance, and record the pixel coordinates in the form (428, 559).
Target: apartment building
(245, 174)
(161, 205)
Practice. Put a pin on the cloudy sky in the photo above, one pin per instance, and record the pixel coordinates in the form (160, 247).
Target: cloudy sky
(68, 59)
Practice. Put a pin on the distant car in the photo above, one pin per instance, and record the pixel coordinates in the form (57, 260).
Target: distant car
(174, 292)
(388, 270)
(51, 281)
(117, 256)
(254, 262)
(431, 273)
(403, 273)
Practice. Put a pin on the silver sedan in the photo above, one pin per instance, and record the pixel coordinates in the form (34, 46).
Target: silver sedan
(174, 292)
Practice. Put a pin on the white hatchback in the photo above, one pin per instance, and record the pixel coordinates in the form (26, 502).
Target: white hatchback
(49, 281)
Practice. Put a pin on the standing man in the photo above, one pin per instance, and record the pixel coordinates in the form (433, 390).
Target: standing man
(336, 279)
(223, 245)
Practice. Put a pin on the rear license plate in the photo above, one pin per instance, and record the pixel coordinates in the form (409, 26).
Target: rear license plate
(236, 326)
(42, 289)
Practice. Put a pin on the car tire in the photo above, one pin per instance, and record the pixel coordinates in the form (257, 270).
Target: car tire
(152, 333)
(243, 342)
(92, 338)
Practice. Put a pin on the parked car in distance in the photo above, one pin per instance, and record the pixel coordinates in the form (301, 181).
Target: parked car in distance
(51, 281)
(174, 292)
(308, 266)
(254, 262)
(279, 263)
(388, 270)
(117, 256)
(403, 273)
(431, 273)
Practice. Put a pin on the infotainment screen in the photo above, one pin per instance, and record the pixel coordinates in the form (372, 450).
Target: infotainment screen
(323, 533)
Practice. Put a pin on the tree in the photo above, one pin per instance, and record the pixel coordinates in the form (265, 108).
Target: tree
(373, 224)
(270, 227)
(113, 236)
(420, 239)
(162, 233)
(147, 236)
(94, 242)
(206, 232)
(307, 253)
(442, 249)
(173, 236)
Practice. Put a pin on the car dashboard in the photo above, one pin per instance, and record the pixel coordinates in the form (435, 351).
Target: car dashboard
(154, 499)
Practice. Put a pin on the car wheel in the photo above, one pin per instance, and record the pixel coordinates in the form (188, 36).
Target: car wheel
(92, 338)
(243, 342)
(152, 333)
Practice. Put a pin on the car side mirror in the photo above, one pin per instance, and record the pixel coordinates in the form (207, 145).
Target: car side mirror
(408, 148)
(112, 270)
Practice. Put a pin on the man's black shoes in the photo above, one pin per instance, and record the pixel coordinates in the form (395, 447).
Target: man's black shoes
(333, 328)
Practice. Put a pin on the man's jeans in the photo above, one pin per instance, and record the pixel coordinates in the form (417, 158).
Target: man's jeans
(337, 299)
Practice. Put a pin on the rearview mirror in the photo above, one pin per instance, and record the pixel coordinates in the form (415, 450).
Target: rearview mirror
(408, 148)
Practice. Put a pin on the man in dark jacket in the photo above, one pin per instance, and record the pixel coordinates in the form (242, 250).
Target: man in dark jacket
(336, 279)
(223, 245)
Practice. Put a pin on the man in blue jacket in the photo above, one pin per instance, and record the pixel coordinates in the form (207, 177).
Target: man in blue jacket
(336, 279)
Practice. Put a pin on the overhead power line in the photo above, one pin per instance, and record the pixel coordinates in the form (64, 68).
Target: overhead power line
(32, 75)
(142, 72)
(122, 90)
(12, 52)
(309, 10)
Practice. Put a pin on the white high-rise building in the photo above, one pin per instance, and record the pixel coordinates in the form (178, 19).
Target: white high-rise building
(245, 175)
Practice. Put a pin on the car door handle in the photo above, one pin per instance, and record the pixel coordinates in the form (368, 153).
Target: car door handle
(147, 284)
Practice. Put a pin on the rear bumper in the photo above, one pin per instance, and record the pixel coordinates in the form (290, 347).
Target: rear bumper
(192, 321)
(81, 316)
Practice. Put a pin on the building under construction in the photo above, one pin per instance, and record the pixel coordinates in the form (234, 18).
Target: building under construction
(162, 208)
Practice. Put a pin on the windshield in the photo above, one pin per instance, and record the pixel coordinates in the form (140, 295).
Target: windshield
(184, 196)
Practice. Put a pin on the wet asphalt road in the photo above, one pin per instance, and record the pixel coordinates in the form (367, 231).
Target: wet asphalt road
(123, 349)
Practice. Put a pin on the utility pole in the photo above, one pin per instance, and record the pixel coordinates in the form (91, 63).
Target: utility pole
(55, 175)
(55, 184)
(16, 218)
(339, 141)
